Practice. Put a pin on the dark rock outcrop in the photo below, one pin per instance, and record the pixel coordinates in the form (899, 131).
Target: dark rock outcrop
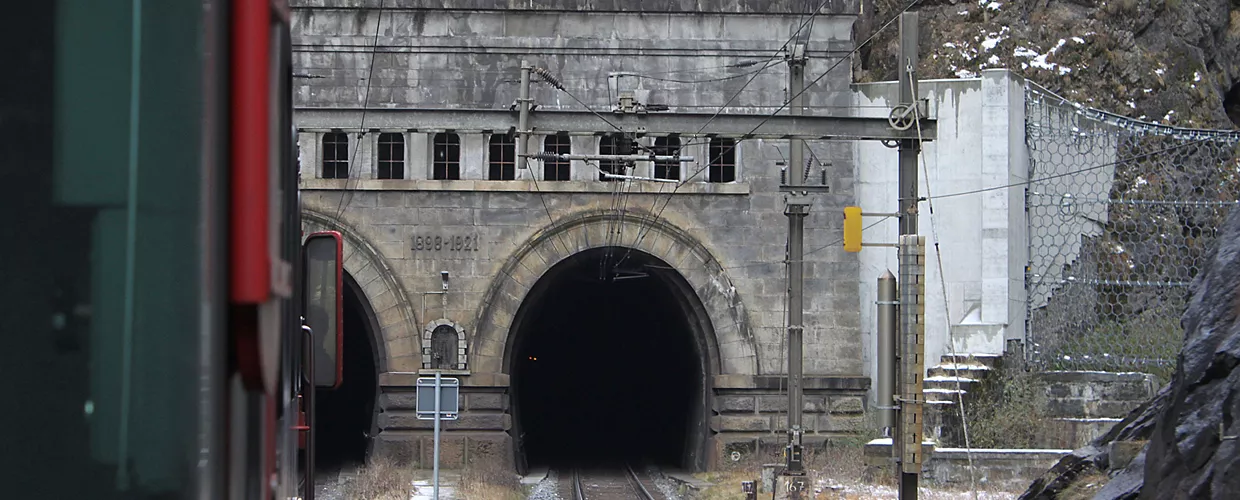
(1193, 450)
(1169, 61)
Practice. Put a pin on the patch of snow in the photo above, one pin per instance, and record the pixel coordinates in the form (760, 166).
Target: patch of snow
(1169, 115)
(992, 39)
(1159, 71)
(944, 391)
(962, 366)
(994, 59)
(1078, 39)
(948, 378)
(1196, 76)
(1039, 60)
(1094, 419)
(1003, 450)
(950, 45)
(1132, 104)
(964, 73)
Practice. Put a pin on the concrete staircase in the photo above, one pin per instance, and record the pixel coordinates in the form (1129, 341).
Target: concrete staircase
(944, 385)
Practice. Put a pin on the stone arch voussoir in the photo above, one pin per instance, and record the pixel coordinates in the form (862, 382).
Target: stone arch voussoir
(733, 339)
(400, 349)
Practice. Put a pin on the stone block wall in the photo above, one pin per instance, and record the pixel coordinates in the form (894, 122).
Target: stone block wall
(751, 423)
(726, 239)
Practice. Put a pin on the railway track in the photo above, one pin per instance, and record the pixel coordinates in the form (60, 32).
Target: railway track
(612, 484)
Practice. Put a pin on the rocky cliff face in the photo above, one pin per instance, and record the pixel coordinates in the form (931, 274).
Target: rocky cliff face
(1193, 448)
(1169, 61)
(1175, 62)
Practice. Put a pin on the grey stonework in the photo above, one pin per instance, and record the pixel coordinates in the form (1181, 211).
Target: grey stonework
(726, 240)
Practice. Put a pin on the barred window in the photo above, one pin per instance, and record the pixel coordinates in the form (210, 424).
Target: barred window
(503, 158)
(391, 156)
(667, 169)
(557, 170)
(722, 160)
(446, 164)
(335, 155)
(610, 145)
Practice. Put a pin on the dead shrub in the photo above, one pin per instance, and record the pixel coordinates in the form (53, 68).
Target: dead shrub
(382, 479)
(488, 478)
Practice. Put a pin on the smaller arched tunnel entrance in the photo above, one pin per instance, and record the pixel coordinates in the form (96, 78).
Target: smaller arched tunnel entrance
(610, 364)
(345, 415)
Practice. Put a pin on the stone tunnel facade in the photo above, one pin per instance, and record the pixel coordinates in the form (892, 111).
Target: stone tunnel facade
(496, 235)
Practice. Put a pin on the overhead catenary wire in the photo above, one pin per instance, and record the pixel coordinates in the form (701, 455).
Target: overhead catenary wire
(1071, 172)
(951, 340)
(348, 168)
(709, 161)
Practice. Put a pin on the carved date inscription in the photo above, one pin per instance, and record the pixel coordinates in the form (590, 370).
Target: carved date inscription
(446, 243)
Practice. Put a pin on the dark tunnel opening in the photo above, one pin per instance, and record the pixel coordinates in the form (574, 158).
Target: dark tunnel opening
(609, 370)
(345, 414)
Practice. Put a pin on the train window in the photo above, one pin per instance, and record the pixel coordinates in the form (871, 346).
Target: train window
(391, 156)
(722, 160)
(447, 160)
(335, 155)
(667, 146)
(104, 135)
(557, 170)
(503, 158)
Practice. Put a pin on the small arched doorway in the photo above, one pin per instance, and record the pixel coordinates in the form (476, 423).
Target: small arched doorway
(345, 416)
(610, 364)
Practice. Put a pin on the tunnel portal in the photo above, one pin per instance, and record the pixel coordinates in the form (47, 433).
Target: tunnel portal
(345, 415)
(608, 366)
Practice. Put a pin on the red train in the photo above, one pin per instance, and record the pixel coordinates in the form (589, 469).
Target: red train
(167, 319)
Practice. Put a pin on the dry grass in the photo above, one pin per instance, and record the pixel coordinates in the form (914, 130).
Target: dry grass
(1084, 487)
(489, 479)
(726, 485)
(383, 479)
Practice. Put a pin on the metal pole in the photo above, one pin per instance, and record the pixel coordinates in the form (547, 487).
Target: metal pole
(436, 466)
(886, 350)
(909, 421)
(908, 147)
(796, 209)
(524, 118)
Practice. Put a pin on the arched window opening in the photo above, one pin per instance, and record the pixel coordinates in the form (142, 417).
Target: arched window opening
(503, 158)
(557, 170)
(445, 342)
(667, 146)
(335, 155)
(391, 156)
(722, 160)
(447, 160)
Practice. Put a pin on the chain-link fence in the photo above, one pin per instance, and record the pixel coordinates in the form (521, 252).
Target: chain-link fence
(1122, 215)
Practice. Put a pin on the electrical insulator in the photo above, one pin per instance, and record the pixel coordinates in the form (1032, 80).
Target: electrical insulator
(852, 229)
(783, 176)
(824, 177)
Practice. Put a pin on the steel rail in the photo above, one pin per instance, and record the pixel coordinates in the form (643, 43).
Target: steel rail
(579, 493)
(638, 482)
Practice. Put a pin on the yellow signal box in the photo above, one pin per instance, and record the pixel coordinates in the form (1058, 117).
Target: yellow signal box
(852, 229)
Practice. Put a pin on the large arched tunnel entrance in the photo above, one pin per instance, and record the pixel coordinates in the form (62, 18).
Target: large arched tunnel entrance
(611, 367)
(345, 415)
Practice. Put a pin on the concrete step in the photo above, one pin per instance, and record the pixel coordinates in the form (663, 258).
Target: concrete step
(990, 360)
(949, 382)
(975, 370)
(941, 395)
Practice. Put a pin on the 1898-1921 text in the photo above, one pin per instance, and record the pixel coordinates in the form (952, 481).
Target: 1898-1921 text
(450, 243)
